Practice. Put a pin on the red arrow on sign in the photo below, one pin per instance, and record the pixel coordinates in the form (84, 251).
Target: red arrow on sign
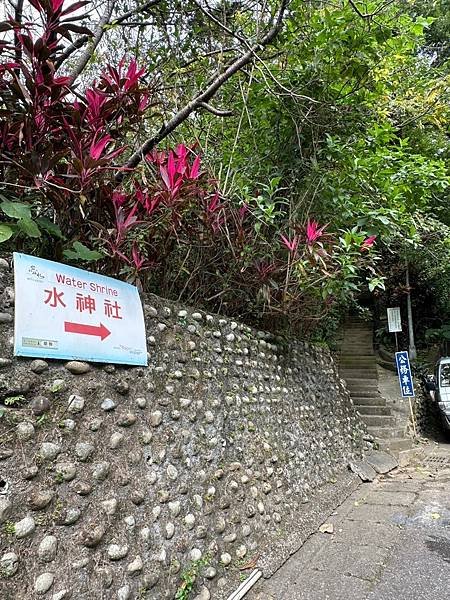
(100, 331)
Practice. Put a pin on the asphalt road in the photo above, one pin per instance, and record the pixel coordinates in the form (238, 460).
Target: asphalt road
(390, 541)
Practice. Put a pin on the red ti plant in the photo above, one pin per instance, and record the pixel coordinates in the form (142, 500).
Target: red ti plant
(313, 231)
(368, 243)
(58, 144)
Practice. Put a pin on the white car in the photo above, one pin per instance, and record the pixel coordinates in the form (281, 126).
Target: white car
(443, 389)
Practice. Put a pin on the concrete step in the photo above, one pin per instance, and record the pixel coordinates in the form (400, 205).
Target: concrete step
(359, 356)
(358, 373)
(395, 445)
(386, 432)
(360, 348)
(370, 365)
(354, 361)
(368, 401)
(371, 409)
(358, 390)
(384, 421)
(359, 383)
(363, 382)
(354, 334)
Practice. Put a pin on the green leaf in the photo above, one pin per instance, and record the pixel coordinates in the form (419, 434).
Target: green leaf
(81, 252)
(5, 232)
(16, 210)
(29, 227)
(49, 227)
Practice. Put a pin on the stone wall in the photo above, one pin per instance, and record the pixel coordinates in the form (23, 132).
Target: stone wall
(122, 483)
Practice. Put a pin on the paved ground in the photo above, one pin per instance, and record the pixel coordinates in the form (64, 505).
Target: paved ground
(390, 541)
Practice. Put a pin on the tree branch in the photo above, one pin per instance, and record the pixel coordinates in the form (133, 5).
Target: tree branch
(135, 11)
(82, 40)
(207, 55)
(369, 15)
(78, 43)
(18, 15)
(207, 94)
(216, 111)
(94, 41)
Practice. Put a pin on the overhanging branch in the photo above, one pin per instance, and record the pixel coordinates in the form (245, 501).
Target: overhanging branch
(218, 112)
(372, 14)
(207, 94)
(94, 41)
(84, 39)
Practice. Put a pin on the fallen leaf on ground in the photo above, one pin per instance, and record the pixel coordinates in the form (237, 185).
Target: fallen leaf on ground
(326, 528)
(251, 564)
(435, 515)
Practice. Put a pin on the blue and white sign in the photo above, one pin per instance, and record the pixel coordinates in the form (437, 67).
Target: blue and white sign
(67, 313)
(404, 374)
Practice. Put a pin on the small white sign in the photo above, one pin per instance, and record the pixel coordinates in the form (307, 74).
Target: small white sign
(67, 313)
(394, 319)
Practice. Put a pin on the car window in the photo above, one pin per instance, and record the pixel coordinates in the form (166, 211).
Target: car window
(445, 376)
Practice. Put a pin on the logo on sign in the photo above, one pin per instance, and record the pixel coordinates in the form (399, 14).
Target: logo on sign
(35, 273)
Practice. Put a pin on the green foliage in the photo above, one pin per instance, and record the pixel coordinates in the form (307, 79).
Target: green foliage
(354, 130)
(79, 252)
(23, 225)
(189, 577)
(14, 400)
(345, 124)
(441, 334)
(9, 528)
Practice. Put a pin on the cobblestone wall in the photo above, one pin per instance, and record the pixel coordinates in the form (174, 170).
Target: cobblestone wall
(115, 481)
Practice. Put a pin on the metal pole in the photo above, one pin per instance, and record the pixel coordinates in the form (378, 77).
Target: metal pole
(246, 585)
(412, 346)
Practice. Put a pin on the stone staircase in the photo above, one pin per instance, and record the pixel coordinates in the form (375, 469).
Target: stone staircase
(358, 367)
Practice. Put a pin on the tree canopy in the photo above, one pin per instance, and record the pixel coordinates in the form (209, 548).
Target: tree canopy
(262, 159)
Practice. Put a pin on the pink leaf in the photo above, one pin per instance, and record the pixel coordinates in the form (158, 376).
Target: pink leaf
(119, 198)
(171, 169)
(313, 231)
(143, 102)
(133, 75)
(165, 176)
(213, 204)
(56, 4)
(98, 147)
(195, 169)
(181, 151)
(243, 211)
(368, 243)
(291, 245)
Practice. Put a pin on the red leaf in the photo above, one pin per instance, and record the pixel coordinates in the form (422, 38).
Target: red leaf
(164, 176)
(56, 4)
(195, 169)
(171, 169)
(98, 147)
(181, 151)
(73, 7)
(37, 5)
(133, 75)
